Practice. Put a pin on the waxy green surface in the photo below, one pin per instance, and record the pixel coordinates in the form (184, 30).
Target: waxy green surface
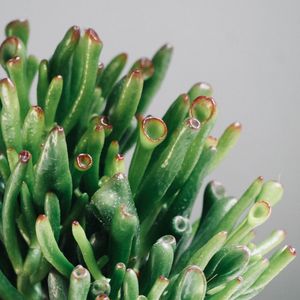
(73, 226)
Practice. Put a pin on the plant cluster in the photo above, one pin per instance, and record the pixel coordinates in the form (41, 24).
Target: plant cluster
(74, 226)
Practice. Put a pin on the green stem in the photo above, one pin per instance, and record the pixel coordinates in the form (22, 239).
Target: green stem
(277, 263)
(52, 99)
(79, 284)
(10, 115)
(111, 73)
(50, 248)
(52, 211)
(270, 243)
(152, 132)
(86, 250)
(130, 285)
(117, 280)
(12, 191)
(158, 288)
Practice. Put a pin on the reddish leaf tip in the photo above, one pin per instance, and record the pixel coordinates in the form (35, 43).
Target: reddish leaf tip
(119, 157)
(6, 81)
(204, 101)
(83, 161)
(58, 129)
(185, 98)
(163, 278)
(136, 73)
(14, 60)
(292, 250)
(79, 272)
(41, 218)
(24, 156)
(120, 266)
(18, 21)
(102, 297)
(193, 123)
(98, 127)
(38, 110)
(104, 121)
(92, 34)
(236, 125)
(75, 32)
(123, 55)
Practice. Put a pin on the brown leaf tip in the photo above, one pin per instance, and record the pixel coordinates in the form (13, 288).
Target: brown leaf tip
(104, 121)
(120, 157)
(75, 32)
(185, 98)
(6, 81)
(24, 156)
(41, 218)
(98, 127)
(123, 56)
(58, 129)
(75, 223)
(162, 130)
(292, 250)
(136, 73)
(83, 161)
(102, 297)
(24, 22)
(39, 111)
(145, 62)
(236, 126)
(12, 40)
(80, 272)
(14, 60)
(120, 266)
(193, 123)
(205, 102)
(163, 278)
(58, 77)
(266, 204)
(92, 34)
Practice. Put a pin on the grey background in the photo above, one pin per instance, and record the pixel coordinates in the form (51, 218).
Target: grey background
(248, 50)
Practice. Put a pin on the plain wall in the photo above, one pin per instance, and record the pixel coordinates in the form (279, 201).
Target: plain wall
(248, 50)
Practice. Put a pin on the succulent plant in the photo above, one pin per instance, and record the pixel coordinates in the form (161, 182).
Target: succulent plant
(74, 226)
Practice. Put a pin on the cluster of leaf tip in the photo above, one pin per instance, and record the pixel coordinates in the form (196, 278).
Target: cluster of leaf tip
(74, 226)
